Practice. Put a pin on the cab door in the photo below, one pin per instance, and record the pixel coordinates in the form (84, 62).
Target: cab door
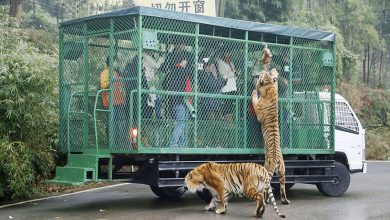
(349, 135)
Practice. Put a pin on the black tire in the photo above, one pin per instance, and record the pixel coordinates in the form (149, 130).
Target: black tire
(289, 185)
(341, 182)
(167, 192)
(205, 195)
(157, 191)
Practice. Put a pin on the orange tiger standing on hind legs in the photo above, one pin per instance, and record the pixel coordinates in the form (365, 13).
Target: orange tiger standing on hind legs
(266, 109)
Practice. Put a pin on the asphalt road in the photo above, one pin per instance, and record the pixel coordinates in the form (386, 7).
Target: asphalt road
(368, 197)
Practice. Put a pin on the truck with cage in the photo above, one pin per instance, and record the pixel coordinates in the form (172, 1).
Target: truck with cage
(157, 117)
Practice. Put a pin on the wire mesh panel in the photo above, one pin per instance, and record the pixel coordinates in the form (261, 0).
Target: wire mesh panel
(124, 88)
(308, 119)
(98, 50)
(149, 84)
(168, 120)
(72, 100)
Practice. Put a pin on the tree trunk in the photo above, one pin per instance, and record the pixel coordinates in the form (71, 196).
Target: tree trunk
(388, 55)
(387, 63)
(368, 65)
(372, 65)
(364, 65)
(380, 70)
(88, 8)
(15, 10)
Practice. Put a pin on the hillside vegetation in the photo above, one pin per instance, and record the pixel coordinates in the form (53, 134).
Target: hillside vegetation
(28, 109)
(367, 103)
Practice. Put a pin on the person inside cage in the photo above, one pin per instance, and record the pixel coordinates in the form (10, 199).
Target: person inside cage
(130, 73)
(150, 65)
(254, 132)
(229, 73)
(281, 64)
(118, 105)
(178, 79)
(210, 82)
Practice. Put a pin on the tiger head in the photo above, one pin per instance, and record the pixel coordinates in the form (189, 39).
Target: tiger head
(195, 179)
(267, 80)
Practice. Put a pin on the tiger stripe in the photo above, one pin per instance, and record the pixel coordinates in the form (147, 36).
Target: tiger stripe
(235, 179)
(266, 109)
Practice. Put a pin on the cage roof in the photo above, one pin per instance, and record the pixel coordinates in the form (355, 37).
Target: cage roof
(216, 21)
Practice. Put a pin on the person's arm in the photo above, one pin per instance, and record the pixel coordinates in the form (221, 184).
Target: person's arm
(233, 69)
(160, 61)
(223, 68)
(220, 82)
(150, 62)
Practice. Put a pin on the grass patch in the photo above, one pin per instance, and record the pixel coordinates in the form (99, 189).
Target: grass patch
(378, 143)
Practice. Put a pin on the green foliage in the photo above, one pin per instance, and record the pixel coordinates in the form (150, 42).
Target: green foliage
(28, 114)
(261, 11)
(346, 59)
(235, 9)
(376, 100)
(46, 42)
(40, 20)
(353, 22)
(367, 103)
(5, 20)
(22, 167)
(28, 96)
(377, 142)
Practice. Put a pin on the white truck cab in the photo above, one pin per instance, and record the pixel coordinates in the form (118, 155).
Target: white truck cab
(349, 135)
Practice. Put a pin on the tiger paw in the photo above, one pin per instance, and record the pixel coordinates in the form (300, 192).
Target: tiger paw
(220, 211)
(260, 213)
(285, 201)
(209, 208)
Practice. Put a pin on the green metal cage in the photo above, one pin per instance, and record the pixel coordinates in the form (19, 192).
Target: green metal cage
(169, 91)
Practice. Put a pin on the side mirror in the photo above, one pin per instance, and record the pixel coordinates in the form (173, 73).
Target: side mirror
(383, 116)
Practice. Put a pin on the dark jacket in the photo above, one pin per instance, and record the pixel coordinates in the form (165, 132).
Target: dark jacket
(176, 77)
(130, 75)
(212, 85)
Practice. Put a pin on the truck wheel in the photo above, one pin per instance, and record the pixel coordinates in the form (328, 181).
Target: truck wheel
(341, 184)
(167, 192)
(205, 195)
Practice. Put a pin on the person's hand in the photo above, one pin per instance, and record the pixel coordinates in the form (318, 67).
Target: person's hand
(285, 81)
(183, 63)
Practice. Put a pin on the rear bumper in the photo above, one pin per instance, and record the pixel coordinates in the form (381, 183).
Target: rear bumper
(365, 167)
(362, 170)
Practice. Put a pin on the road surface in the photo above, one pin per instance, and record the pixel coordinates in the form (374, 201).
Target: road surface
(368, 197)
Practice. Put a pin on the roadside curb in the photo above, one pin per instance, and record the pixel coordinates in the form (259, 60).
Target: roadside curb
(63, 195)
